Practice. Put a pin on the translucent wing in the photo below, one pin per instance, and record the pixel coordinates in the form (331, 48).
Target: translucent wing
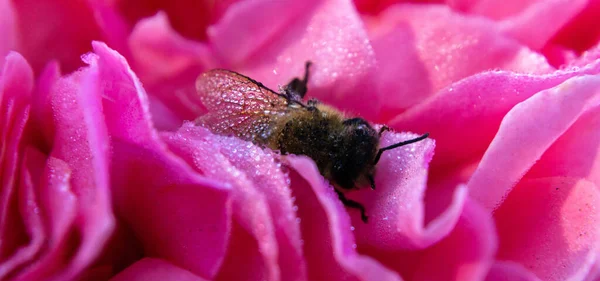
(238, 105)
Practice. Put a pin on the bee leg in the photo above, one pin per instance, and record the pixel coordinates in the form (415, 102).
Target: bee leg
(383, 129)
(371, 181)
(353, 204)
(296, 89)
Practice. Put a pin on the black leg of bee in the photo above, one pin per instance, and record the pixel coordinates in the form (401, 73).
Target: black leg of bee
(383, 129)
(296, 89)
(353, 204)
(381, 150)
(372, 181)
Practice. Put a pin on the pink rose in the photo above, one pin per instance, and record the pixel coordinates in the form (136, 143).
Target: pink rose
(103, 176)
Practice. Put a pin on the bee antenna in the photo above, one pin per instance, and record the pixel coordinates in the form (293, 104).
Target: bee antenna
(381, 150)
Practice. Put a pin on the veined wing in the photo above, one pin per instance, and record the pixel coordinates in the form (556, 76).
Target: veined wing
(238, 105)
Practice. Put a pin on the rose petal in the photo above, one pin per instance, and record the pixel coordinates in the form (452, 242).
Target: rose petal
(151, 269)
(465, 254)
(518, 17)
(28, 203)
(424, 48)
(588, 57)
(304, 30)
(575, 153)
(148, 178)
(58, 204)
(550, 225)
(396, 209)
(472, 242)
(16, 83)
(8, 30)
(253, 224)
(154, 43)
(328, 243)
(526, 133)
(81, 140)
(259, 187)
(594, 274)
(189, 18)
(480, 101)
(548, 17)
(510, 271)
(63, 38)
(41, 106)
(194, 232)
(582, 32)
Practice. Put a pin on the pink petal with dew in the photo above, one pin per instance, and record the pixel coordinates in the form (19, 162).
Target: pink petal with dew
(8, 29)
(58, 204)
(81, 140)
(261, 197)
(424, 48)
(396, 209)
(194, 232)
(551, 226)
(152, 269)
(510, 271)
(594, 274)
(16, 83)
(159, 52)
(343, 62)
(466, 253)
(34, 234)
(64, 38)
(548, 18)
(148, 178)
(526, 132)
(590, 56)
(329, 246)
(168, 64)
(517, 18)
(576, 153)
(464, 117)
(252, 233)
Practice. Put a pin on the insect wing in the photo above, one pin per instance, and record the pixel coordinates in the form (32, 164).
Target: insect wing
(238, 105)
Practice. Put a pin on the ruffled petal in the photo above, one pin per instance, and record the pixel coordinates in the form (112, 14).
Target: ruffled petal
(510, 271)
(301, 31)
(518, 18)
(467, 253)
(329, 246)
(48, 36)
(81, 140)
(423, 48)
(551, 227)
(8, 29)
(33, 234)
(16, 83)
(172, 85)
(152, 269)
(262, 204)
(176, 213)
(526, 132)
(581, 32)
(480, 101)
(396, 209)
(59, 206)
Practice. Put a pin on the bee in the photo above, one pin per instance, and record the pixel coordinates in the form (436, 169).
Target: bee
(345, 149)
